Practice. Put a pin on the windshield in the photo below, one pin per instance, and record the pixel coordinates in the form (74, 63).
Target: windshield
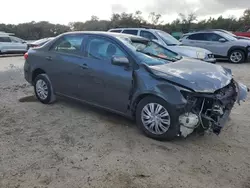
(151, 52)
(227, 36)
(229, 33)
(167, 38)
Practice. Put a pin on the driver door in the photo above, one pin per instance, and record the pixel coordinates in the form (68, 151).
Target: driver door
(103, 83)
(213, 44)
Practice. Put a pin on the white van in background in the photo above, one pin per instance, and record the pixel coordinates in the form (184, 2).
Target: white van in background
(11, 44)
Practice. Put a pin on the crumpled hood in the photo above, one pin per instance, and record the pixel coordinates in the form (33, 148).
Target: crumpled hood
(195, 52)
(194, 74)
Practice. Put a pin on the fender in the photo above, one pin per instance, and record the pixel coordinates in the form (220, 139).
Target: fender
(242, 91)
(244, 49)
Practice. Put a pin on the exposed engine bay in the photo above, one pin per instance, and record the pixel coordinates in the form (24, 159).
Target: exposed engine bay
(209, 112)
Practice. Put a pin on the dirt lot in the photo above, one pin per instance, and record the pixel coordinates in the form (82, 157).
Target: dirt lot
(71, 145)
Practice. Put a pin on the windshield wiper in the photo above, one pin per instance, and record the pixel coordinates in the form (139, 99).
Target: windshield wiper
(153, 55)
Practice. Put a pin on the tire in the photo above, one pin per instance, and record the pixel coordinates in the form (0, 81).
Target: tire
(46, 95)
(173, 128)
(237, 56)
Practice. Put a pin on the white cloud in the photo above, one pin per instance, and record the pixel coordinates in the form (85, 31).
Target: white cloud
(61, 11)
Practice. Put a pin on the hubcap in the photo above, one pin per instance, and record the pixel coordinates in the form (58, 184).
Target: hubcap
(155, 118)
(236, 57)
(41, 89)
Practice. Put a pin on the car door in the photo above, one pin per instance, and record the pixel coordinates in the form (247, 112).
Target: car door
(5, 44)
(102, 82)
(18, 44)
(195, 40)
(214, 43)
(63, 61)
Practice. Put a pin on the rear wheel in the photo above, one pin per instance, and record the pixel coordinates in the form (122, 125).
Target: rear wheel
(156, 118)
(237, 56)
(43, 89)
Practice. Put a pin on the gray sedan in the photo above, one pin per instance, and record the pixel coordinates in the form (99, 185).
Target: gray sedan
(168, 95)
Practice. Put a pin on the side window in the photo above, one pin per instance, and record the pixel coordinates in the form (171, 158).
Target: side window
(115, 31)
(212, 37)
(69, 44)
(16, 40)
(147, 35)
(103, 49)
(130, 31)
(198, 36)
(5, 39)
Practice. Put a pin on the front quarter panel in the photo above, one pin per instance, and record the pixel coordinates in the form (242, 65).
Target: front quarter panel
(146, 83)
(242, 92)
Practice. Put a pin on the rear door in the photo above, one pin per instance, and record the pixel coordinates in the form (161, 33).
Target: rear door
(102, 82)
(196, 40)
(5, 44)
(63, 62)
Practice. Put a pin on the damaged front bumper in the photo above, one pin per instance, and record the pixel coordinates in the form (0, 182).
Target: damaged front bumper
(210, 112)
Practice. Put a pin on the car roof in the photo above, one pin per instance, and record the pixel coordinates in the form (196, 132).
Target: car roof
(109, 34)
(204, 31)
(133, 28)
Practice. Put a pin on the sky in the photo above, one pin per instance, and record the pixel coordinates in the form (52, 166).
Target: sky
(63, 12)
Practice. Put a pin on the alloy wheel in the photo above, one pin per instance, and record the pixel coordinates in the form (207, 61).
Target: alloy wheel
(236, 57)
(155, 118)
(41, 89)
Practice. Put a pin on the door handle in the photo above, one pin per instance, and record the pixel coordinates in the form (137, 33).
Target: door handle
(84, 66)
(49, 58)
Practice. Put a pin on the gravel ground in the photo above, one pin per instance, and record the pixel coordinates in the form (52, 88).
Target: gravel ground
(72, 145)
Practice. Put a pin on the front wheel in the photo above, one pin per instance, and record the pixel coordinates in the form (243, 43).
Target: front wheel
(157, 119)
(43, 89)
(237, 56)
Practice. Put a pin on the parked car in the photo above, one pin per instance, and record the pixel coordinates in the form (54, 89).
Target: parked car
(39, 42)
(167, 98)
(11, 44)
(245, 32)
(224, 46)
(170, 42)
(221, 30)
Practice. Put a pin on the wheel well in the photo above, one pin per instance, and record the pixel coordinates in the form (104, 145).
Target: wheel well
(138, 99)
(239, 49)
(36, 73)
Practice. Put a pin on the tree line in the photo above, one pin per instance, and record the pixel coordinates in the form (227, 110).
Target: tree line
(184, 23)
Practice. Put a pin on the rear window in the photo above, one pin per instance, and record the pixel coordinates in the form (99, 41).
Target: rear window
(130, 31)
(198, 36)
(5, 39)
(116, 31)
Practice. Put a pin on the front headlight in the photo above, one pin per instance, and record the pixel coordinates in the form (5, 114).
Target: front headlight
(209, 56)
(200, 55)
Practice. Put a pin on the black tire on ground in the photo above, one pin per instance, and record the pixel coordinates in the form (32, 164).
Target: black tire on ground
(241, 53)
(174, 128)
(50, 96)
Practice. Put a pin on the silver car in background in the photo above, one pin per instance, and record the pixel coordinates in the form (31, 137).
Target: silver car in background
(169, 42)
(11, 44)
(223, 45)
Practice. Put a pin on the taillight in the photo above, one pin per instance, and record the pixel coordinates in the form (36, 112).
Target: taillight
(35, 46)
(26, 55)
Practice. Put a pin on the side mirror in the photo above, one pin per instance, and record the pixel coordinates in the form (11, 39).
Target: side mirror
(222, 40)
(24, 42)
(120, 61)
